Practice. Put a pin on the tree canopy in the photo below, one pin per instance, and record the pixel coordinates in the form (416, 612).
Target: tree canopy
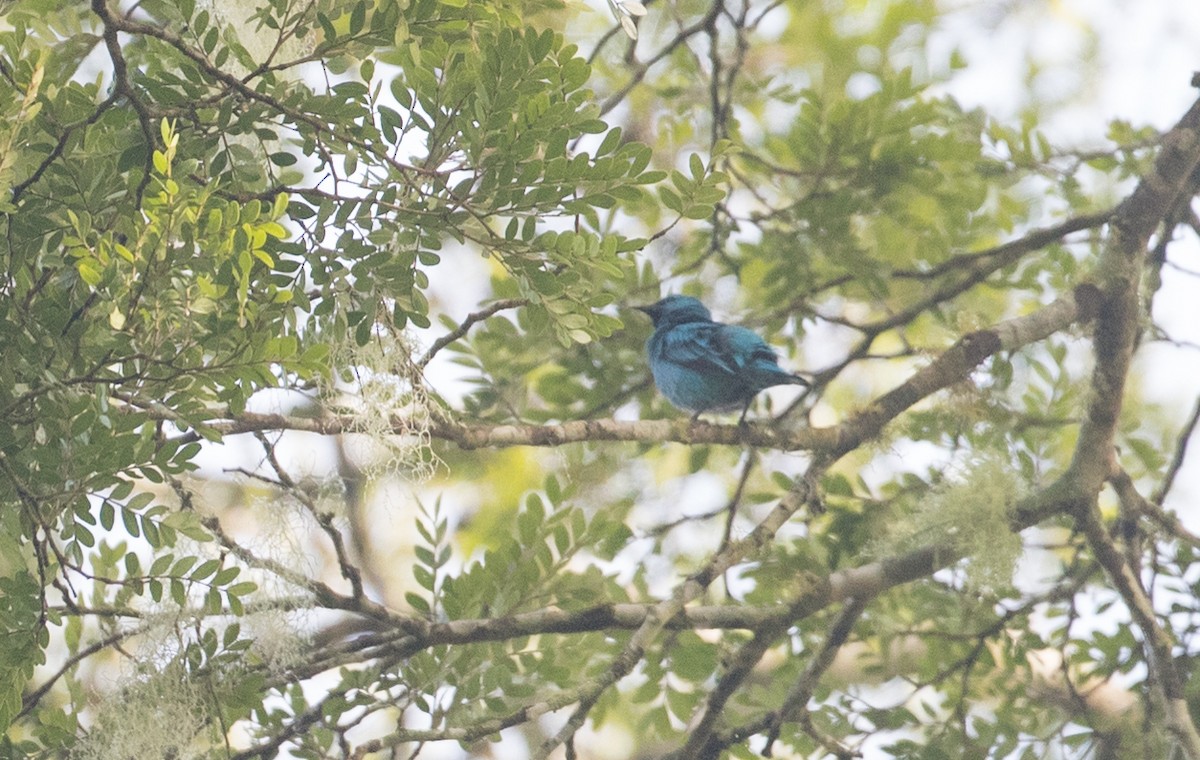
(326, 428)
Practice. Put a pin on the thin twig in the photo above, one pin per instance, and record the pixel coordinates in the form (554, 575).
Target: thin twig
(467, 324)
(804, 687)
(1181, 446)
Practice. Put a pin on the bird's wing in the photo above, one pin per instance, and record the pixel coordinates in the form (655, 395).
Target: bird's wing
(703, 347)
(746, 348)
(757, 363)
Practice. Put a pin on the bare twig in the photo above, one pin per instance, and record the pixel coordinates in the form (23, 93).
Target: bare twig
(802, 691)
(471, 320)
(1177, 458)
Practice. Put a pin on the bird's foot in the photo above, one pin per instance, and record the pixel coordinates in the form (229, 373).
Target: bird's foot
(744, 430)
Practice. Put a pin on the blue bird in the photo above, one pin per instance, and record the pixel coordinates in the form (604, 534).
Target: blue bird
(705, 366)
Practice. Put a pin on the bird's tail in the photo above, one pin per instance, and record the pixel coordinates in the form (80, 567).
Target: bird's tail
(780, 376)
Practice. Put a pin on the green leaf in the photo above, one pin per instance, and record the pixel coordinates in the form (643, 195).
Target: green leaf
(358, 17)
(670, 199)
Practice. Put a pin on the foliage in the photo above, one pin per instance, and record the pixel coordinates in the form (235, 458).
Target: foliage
(265, 490)
(972, 515)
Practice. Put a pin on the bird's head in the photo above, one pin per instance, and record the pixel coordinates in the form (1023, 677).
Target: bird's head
(677, 310)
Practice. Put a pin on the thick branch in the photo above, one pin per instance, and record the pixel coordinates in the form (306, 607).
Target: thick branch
(1166, 679)
(953, 366)
(1119, 275)
(1117, 325)
(960, 360)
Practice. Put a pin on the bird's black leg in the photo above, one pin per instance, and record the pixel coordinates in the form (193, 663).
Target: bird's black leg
(696, 416)
(745, 409)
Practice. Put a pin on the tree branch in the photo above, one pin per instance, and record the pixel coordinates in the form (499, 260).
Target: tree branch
(122, 85)
(953, 366)
(802, 691)
(1117, 325)
(128, 26)
(1177, 458)
(470, 321)
(659, 616)
(1166, 679)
